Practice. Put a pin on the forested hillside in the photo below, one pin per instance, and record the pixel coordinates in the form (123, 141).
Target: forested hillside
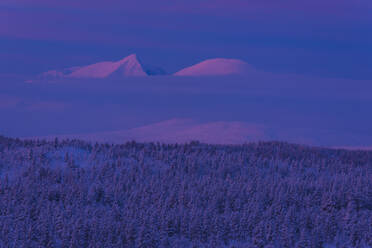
(76, 194)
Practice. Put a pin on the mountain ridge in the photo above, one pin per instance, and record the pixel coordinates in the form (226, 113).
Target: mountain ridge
(132, 66)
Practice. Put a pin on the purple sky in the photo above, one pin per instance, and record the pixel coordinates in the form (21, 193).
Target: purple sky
(331, 38)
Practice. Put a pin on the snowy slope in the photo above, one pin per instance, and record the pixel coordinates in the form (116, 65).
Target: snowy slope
(129, 66)
(215, 67)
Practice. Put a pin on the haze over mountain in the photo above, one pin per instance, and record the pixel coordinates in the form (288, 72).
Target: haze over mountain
(217, 67)
(285, 108)
(184, 130)
(181, 131)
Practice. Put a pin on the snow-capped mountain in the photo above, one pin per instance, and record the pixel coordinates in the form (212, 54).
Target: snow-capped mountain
(217, 67)
(127, 67)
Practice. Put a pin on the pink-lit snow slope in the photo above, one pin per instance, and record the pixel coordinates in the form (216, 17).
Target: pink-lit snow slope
(217, 67)
(129, 66)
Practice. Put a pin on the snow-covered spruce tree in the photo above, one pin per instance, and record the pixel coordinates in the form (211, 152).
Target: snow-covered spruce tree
(70, 193)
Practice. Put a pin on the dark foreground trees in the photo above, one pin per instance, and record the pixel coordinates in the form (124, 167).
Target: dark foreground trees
(76, 194)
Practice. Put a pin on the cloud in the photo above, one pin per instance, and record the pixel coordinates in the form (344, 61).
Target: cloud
(7, 102)
(47, 106)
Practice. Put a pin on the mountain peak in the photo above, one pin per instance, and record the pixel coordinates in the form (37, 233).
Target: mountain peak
(132, 57)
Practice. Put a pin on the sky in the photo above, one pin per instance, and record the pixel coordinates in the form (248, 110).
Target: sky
(323, 38)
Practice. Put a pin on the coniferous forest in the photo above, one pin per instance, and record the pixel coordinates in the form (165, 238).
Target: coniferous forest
(72, 193)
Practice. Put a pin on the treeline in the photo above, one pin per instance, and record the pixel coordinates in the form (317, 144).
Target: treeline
(76, 194)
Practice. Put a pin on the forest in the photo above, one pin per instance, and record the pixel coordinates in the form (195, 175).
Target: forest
(72, 193)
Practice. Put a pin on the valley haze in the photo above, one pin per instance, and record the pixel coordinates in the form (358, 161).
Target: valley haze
(215, 101)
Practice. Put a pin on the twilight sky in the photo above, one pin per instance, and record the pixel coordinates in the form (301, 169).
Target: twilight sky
(328, 38)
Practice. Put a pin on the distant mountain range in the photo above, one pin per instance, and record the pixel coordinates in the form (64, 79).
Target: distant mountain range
(132, 67)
